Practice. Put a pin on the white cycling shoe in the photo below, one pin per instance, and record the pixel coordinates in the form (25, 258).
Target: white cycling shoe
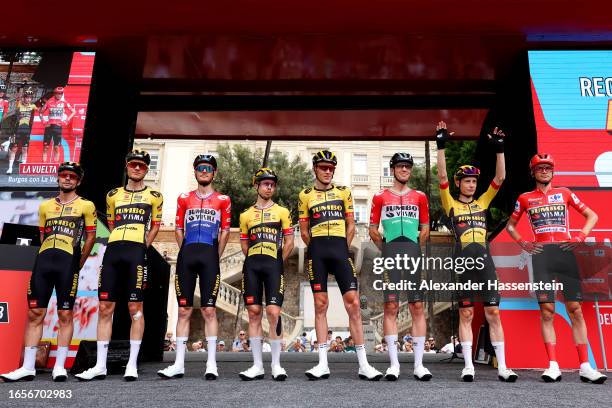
(467, 374)
(94, 373)
(211, 372)
(59, 374)
(20, 374)
(172, 371)
(369, 373)
(422, 374)
(279, 373)
(592, 376)
(131, 373)
(253, 373)
(551, 374)
(392, 373)
(318, 372)
(507, 375)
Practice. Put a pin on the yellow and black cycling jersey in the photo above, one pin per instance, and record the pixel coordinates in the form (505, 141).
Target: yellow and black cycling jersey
(62, 224)
(469, 220)
(264, 228)
(130, 212)
(25, 112)
(326, 210)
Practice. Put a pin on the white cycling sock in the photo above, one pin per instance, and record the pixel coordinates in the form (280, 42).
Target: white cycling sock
(275, 344)
(181, 346)
(418, 344)
(466, 350)
(102, 352)
(60, 359)
(211, 351)
(499, 354)
(256, 349)
(391, 339)
(29, 357)
(134, 349)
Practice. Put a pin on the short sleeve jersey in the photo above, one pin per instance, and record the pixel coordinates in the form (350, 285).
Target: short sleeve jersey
(63, 224)
(469, 220)
(264, 229)
(548, 212)
(326, 210)
(401, 215)
(132, 212)
(201, 217)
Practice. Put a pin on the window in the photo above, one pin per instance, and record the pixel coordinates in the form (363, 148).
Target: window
(361, 212)
(154, 153)
(386, 170)
(360, 164)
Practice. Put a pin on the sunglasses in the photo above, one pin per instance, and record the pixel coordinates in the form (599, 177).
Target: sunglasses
(68, 175)
(204, 168)
(137, 165)
(543, 169)
(324, 168)
(241, 334)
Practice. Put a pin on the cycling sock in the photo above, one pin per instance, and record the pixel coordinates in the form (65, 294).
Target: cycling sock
(323, 354)
(211, 360)
(466, 350)
(60, 359)
(418, 345)
(134, 349)
(391, 339)
(583, 353)
(256, 349)
(275, 344)
(499, 354)
(102, 352)
(29, 357)
(181, 346)
(361, 355)
(551, 351)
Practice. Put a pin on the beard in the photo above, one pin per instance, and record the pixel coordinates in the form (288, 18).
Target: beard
(204, 183)
(67, 190)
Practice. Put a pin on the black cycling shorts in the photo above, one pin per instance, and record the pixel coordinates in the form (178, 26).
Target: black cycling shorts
(412, 250)
(559, 265)
(124, 267)
(262, 272)
(197, 260)
(22, 136)
(482, 271)
(52, 132)
(54, 268)
(330, 255)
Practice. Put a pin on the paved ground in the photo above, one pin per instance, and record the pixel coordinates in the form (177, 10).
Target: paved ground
(342, 389)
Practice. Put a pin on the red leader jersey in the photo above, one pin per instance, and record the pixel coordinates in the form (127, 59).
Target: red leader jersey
(55, 109)
(4, 107)
(548, 213)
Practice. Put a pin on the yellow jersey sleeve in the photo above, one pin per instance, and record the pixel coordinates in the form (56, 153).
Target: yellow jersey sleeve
(89, 213)
(285, 219)
(303, 206)
(485, 199)
(244, 228)
(157, 203)
(110, 206)
(446, 198)
(348, 202)
(42, 219)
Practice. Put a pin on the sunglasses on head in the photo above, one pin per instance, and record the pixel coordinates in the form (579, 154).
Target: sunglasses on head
(136, 165)
(68, 175)
(204, 168)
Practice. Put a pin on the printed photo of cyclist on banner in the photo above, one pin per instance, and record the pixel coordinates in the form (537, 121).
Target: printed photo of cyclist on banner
(43, 107)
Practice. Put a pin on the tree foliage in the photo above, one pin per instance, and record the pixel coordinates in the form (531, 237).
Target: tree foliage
(238, 164)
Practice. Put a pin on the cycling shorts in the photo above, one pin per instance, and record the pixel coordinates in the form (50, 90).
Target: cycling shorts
(22, 136)
(559, 265)
(263, 272)
(54, 268)
(481, 272)
(124, 267)
(197, 260)
(394, 275)
(52, 132)
(330, 255)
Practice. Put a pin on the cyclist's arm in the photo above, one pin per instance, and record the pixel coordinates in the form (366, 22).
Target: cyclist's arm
(72, 112)
(244, 245)
(350, 230)
(442, 175)
(42, 112)
(375, 236)
(591, 219)
(423, 234)
(511, 228)
(500, 169)
(180, 236)
(304, 233)
(375, 211)
(152, 233)
(90, 240)
(42, 219)
(223, 238)
(423, 219)
(110, 211)
(287, 246)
